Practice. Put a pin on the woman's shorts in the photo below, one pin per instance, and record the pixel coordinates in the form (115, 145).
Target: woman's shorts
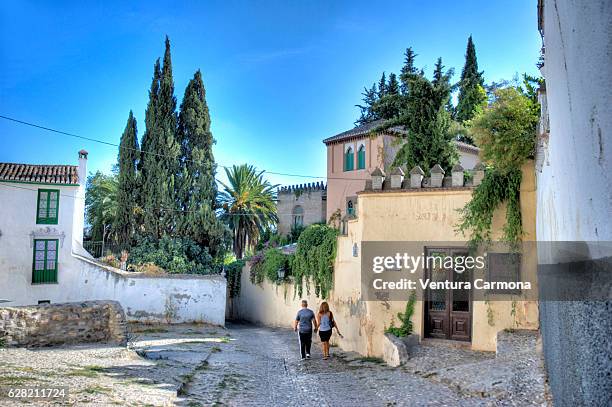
(325, 335)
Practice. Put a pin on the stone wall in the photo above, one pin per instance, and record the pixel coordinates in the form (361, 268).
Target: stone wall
(56, 324)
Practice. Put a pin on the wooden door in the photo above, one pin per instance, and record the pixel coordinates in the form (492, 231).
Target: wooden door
(447, 312)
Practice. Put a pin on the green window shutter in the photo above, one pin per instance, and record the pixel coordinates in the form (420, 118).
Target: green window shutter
(44, 262)
(47, 206)
(349, 160)
(361, 158)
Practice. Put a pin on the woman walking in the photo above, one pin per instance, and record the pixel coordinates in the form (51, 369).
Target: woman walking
(325, 321)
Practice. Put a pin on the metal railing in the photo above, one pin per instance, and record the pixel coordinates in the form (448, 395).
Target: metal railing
(101, 249)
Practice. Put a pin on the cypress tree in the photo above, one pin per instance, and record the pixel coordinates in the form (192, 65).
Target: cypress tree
(197, 192)
(148, 157)
(127, 189)
(160, 152)
(471, 91)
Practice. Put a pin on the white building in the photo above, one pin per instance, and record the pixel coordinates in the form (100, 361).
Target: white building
(42, 260)
(41, 222)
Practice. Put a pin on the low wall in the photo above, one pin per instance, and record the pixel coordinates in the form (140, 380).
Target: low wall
(55, 324)
(170, 298)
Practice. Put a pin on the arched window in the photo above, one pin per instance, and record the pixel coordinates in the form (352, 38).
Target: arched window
(349, 159)
(298, 216)
(361, 158)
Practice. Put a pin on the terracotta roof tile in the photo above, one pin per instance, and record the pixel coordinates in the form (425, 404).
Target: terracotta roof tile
(45, 174)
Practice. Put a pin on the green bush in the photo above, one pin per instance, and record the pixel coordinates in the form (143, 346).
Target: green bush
(405, 328)
(174, 255)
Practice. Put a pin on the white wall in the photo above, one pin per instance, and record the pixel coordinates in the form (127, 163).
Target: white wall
(575, 185)
(169, 298)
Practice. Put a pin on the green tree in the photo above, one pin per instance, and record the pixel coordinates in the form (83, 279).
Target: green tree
(367, 114)
(127, 188)
(505, 131)
(408, 69)
(382, 86)
(101, 205)
(442, 84)
(471, 86)
(248, 202)
(197, 187)
(393, 85)
(428, 123)
(160, 153)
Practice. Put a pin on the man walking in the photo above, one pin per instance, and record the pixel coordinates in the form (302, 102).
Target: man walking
(304, 320)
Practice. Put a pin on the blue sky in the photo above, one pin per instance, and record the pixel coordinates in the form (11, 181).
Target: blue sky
(280, 75)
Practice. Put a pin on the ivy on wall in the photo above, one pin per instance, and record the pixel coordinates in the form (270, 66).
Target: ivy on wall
(495, 189)
(267, 264)
(314, 259)
(233, 272)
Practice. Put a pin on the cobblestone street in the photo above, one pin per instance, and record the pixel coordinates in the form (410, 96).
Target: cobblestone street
(244, 365)
(261, 366)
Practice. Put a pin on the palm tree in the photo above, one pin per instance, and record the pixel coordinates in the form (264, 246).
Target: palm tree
(101, 204)
(248, 206)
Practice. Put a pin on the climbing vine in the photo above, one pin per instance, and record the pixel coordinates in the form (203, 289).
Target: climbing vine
(233, 272)
(266, 265)
(314, 259)
(495, 189)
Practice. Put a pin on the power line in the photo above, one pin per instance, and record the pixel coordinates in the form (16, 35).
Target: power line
(38, 126)
(161, 208)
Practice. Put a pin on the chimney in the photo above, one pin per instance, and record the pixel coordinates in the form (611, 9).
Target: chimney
(82, 167)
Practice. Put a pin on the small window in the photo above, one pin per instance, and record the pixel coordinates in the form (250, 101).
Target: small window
(350, 208)
(349, 159)
(361, 158)
(44, 264)
(47, 207)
